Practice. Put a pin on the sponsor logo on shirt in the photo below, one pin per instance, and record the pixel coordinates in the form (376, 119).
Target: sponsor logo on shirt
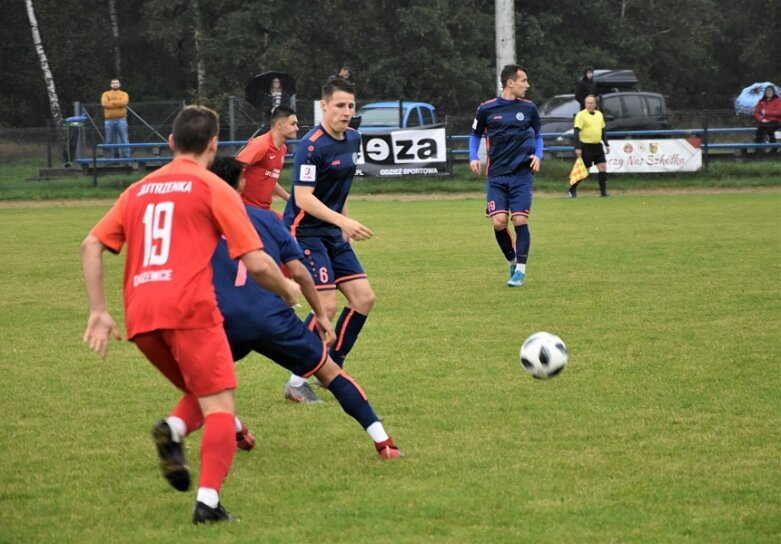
(152, 276)
(308, 172)
(497, 117)
(165, 187)
(336, 162)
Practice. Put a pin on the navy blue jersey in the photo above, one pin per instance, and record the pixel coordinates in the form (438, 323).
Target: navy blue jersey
(328, 165)
(512, 133)
(244, 304)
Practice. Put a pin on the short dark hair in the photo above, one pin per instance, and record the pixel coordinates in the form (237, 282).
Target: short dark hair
(281, 112)
(509, 71)
(194, 128)
(229, 169)
(337, 84)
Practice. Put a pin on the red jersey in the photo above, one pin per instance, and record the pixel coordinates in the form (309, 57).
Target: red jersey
(264, 162)
(171, 222)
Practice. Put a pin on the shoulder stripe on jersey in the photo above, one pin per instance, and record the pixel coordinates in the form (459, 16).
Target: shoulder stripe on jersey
(316, 135)
(296, 221)
(488, 101)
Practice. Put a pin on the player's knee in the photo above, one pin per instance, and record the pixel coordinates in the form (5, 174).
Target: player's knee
(519, 220)
(500, 222)
(363, 301)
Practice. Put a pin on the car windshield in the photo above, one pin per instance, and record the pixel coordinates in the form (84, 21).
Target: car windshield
(559, 106)
(379, 117)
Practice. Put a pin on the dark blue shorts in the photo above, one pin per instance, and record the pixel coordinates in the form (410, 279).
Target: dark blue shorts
(509, 194)
(285, 339)
(330, 260)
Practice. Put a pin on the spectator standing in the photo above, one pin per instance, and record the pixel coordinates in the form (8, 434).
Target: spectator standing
(768, 115)
(511, 126)
(585, 86)
(275, 97)
(114, 102)
(589, 137)
(171, 222)
(265, 157)
(344, 73)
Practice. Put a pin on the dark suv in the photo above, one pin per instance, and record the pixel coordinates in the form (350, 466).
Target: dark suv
(623, 110)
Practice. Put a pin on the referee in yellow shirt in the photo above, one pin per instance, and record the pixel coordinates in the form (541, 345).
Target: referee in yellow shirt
(589, 137)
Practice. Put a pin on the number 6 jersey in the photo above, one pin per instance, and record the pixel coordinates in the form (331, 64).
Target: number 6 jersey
(171, 222)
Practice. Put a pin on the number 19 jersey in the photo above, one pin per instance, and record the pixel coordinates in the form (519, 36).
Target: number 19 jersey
(171, 222)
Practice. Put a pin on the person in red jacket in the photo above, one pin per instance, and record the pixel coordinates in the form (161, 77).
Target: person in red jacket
(767, 112)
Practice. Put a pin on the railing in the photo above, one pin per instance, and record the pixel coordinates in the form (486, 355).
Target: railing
(458, 145)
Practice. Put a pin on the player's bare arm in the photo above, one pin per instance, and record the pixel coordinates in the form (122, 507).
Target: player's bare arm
(281, 192)
(307, 201)
(303, 278)
(266, 272)
(100, 325)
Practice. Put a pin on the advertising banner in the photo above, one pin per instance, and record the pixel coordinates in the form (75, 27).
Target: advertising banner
(407, 152)
(661, 155)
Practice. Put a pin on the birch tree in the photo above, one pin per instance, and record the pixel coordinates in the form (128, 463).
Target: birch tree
(51, 89)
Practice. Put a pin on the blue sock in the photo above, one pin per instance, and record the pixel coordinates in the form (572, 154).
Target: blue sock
(353, 400)
(347, 329)
(505, 242)
(523, 241)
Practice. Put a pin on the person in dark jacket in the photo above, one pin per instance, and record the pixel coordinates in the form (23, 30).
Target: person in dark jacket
(585, 86)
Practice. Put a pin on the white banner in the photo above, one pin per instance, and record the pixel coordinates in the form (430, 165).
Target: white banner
(407, 152)
(662, 155)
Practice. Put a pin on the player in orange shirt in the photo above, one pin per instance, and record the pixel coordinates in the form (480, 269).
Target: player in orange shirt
(171, 222)
(265, 156)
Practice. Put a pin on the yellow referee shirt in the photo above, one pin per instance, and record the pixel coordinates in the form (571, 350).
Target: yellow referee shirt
(590, 125)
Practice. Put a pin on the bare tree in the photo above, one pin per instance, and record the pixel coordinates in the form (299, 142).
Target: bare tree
(51, 89)
(112, 12)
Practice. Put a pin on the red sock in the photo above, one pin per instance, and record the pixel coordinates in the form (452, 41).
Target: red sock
(218, 447)
(189, 411)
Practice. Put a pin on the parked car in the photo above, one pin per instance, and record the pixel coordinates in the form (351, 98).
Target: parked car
(390, 115)
(625, 110)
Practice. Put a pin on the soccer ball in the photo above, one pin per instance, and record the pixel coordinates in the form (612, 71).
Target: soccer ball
(543, 355)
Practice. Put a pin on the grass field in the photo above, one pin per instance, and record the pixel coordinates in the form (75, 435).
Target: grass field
(664, 428)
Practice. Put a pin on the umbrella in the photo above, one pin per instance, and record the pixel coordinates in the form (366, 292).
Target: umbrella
(258, 86)
(748, 97)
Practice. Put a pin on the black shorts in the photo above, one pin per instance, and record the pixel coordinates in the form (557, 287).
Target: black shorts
(593, 154)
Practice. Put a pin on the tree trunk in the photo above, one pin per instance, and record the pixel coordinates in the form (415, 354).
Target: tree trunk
(200, 66)
(51, 89)
(112, 11)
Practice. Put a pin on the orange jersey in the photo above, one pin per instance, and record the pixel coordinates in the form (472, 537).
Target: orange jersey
(264, 163)
(171, 222)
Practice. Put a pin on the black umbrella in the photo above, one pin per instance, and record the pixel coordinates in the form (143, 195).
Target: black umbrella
(258, 86)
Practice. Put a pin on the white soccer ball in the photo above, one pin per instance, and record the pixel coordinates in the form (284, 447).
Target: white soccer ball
(543, 355)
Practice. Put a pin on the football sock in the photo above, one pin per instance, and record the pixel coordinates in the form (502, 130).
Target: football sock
(505, 242)
(296, 381)
(522, 243)
(377, 432)
(189, 412)
(521, 267)
(353, 400)
(218, 446)
(347, 329)
(602, 178)
(237, 424)
(208, 496)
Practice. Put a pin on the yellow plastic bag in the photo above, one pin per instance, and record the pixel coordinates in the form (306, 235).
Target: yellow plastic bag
(579, 172)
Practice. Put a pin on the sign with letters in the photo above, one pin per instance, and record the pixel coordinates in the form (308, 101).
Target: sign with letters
(660, 155)
(406, 152)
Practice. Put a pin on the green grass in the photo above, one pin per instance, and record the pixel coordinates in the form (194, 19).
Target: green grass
(18, 181)
(664, 428)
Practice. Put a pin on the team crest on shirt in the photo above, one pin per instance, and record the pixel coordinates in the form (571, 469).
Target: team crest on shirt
(519, 116)
(308, 172)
